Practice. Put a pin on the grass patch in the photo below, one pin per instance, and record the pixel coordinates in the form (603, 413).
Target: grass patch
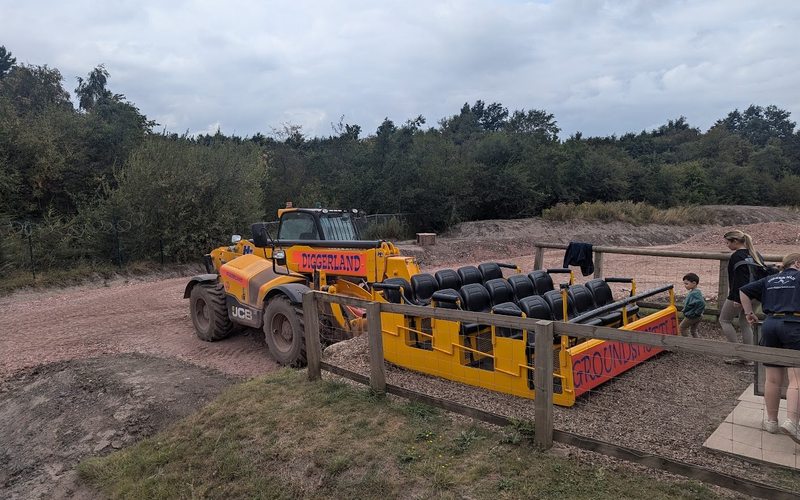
(392, 229)
(281, 436)
(637, 213)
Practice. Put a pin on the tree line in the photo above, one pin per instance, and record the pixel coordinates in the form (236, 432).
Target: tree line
(65, 164)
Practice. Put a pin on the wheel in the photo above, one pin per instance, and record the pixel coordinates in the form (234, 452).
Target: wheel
(283, 331)
(209, 314)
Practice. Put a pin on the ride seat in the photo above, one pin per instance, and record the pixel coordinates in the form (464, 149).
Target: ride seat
(469, 275)
(474, 297)
(556, 303)
(583, 302)
(447, 278)
(603, 296)
(490, 271)
(535, 306)
(424, 285)
(499, 291)
(521, 286)
(542, 281)
(394, 296)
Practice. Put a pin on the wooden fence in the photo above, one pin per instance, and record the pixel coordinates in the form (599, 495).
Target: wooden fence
(599, 251)
(544, 433)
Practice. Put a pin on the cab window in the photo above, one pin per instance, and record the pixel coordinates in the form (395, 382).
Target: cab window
(298, 226)
(338, 226)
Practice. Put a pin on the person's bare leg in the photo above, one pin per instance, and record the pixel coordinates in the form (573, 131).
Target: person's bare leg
(726, 315)
(793, 395)
(772, 391)
(745, 328)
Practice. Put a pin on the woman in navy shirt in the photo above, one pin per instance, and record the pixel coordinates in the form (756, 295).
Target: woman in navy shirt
(779, 295)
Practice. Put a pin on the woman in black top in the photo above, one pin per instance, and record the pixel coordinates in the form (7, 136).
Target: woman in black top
(742, 246)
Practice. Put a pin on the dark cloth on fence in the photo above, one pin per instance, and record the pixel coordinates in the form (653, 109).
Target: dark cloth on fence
(579, 254)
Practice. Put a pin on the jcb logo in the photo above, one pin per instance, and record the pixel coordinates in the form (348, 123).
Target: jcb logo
(241, 313)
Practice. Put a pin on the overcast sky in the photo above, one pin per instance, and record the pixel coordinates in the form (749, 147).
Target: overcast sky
(247, 66)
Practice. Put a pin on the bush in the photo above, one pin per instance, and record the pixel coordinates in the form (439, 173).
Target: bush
(625, 211)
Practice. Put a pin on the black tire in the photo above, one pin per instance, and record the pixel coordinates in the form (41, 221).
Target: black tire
(283, 331)
(209, 314)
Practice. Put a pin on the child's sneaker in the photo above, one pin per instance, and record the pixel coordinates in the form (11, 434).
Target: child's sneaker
(770, 426)
(790, 428)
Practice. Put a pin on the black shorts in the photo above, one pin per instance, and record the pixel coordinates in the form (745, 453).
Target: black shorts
(783, 332)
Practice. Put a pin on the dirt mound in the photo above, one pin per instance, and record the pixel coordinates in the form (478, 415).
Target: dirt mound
(53, 416)
(767, 233)
(478, 241)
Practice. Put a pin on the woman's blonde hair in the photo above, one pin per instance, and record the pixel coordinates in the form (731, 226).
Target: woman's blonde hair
(790, 260)
(742, 237)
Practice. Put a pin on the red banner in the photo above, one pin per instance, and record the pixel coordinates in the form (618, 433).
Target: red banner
(340, 263)
(608, 359)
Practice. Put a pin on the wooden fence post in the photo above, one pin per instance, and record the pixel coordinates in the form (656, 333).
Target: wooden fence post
(313, 346)
(538, 259)
(598, 265)
(543, 378)
(377, 372)
(722, 290)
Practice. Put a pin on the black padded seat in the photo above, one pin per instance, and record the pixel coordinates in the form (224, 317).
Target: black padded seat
(534, 306)
(394, 295)
(603, 296)
(424, 285)
(556, 303)
(490, 271)
(448, 298)
(469, 275)
(499, 291)
(542, 282)
(521, 286)
(474, 297)
(508, 309)
(447, 278)
(601, 292)
(582, 299)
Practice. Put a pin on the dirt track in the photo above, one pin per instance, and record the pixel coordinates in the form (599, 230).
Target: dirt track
(143, 327)
(147, 317)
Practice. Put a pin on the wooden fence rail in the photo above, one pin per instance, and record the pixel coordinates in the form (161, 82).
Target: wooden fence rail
(600, 250)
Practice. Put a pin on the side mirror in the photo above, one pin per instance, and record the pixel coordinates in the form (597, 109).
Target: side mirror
(280, 257)
(236, 238)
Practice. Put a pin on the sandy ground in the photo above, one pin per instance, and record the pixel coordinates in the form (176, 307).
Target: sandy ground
(88, 369)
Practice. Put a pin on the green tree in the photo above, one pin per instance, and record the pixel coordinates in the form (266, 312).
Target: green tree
(91, 90)
(6, 61)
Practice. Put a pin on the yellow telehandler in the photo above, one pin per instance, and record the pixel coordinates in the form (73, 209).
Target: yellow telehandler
(260, 283)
